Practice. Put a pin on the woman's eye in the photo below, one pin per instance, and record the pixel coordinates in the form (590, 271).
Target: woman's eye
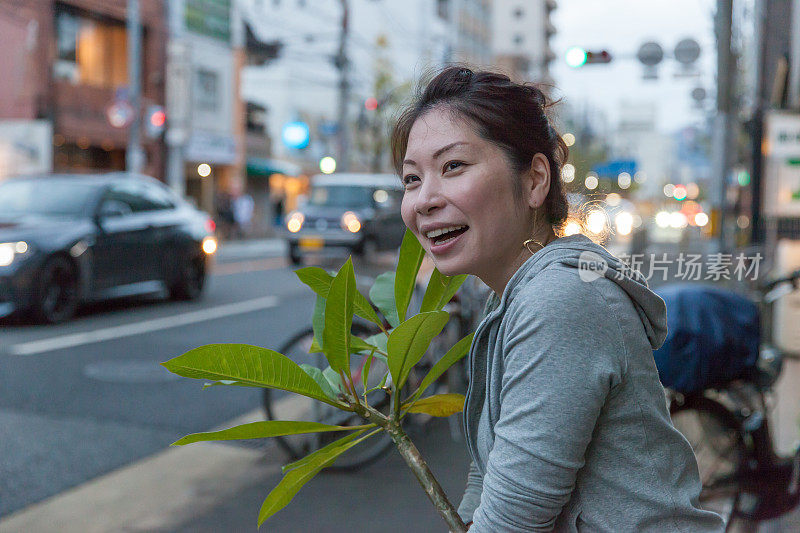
(409, 179)
(452, 165)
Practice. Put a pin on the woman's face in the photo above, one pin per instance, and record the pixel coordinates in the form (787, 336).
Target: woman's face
(459, 200)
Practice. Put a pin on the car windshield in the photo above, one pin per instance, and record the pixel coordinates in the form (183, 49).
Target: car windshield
(45, 197)
(341, 196)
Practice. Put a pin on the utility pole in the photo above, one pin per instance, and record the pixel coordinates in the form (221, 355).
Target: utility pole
(134, 157)
(723, 122)
(343, 64)
(177, 92)
(757, 124)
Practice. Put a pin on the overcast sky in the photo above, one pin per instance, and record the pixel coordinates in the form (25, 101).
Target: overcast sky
(621, 26)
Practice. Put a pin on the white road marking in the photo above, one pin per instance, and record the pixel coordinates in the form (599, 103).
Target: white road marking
(137, 328)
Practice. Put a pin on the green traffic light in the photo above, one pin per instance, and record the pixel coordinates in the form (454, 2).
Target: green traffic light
(744, 178)
(576, 57)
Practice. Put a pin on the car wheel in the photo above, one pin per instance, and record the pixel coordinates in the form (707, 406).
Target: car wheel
(191, 282)
(57, 298)
(294, 255)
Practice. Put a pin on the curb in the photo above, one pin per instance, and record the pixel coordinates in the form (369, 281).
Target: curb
(159, 492)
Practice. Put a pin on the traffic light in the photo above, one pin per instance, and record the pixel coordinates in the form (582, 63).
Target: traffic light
(156, 121)
(371, 103)
(578, 57)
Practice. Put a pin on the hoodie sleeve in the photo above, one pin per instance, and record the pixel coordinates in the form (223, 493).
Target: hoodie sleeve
(562, 355)
(472, 494)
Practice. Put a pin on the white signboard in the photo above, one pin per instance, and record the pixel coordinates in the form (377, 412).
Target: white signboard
(26, 147)
(782, 168)
(210, 147)
(786, 336)
(782, 131)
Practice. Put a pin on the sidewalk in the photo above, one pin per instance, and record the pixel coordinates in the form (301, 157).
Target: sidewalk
(237, 250)
(211, 487)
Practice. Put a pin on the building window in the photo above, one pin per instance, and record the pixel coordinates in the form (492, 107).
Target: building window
(518, 39)
(518, 13)
(206, 89)
(90, 51)
(442, 9)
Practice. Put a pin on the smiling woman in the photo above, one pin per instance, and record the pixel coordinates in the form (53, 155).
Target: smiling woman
(565, 417)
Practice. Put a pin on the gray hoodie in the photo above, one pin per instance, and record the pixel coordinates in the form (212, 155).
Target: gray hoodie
(565, 418)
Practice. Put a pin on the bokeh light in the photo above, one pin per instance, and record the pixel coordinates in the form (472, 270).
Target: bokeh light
(596, 221)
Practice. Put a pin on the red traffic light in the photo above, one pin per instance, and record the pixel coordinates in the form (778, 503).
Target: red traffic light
(158, 118)
(371, 103)
(602, 56)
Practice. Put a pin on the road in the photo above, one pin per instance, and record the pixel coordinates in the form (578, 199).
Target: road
(85, 405)
(80, 399)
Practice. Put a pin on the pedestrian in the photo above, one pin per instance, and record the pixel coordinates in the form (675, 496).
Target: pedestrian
(565, 418)
(243, 213)
(278, 202)
(223, 204)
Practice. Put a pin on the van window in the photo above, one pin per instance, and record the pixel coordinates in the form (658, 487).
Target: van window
(341, 196)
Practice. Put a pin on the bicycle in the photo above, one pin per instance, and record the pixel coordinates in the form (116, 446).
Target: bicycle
(463, 315)
(301, 408)
(743, 478)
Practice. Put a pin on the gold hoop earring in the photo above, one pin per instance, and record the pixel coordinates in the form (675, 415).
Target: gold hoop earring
(528, 243)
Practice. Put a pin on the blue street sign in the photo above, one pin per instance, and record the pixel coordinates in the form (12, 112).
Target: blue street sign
(613, 168)
(295, 134)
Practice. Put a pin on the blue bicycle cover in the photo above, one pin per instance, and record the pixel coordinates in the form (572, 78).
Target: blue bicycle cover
(713, 338)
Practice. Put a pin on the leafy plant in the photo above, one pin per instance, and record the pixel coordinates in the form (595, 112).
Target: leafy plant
(400, 345)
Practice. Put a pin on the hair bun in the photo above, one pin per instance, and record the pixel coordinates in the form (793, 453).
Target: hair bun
(464, 74)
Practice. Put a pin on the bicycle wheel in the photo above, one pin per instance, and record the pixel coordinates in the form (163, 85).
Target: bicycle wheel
(716, 438)
(279, 405)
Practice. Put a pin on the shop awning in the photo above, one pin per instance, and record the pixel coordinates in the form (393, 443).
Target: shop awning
(262, 166)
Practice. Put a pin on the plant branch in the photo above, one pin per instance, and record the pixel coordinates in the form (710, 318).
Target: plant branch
(425, 477)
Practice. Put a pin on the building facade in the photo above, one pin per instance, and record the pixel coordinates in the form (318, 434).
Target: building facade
(69, 66)
(521, 33)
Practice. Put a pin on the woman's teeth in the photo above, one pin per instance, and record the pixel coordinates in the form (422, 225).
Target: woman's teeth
(441, 236)
(435, 233)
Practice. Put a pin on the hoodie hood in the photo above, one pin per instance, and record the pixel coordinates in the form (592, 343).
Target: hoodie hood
(592, 262)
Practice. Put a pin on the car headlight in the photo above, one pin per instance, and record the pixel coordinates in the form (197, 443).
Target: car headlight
(10, 250)
(209, 245)
(295, 221)
(350, 222)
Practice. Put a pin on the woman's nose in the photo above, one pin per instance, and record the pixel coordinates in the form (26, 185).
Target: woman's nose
(429, 197)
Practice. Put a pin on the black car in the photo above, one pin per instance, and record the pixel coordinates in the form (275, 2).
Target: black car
(357, 212)
(69, 239)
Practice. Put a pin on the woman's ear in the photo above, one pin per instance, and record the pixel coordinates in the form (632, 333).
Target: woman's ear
(537, 181)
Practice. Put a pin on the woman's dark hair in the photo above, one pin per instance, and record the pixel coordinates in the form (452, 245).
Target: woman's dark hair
(508, 114)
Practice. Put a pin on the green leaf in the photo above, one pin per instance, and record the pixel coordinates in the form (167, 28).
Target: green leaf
(440, 290)
(320, 282)
(382, 295)
(439, 405)
(308, 467)
(408, 263)
(365, 373)
(316, 278)
(409, 341)
(379, 340)
(317, 375)
(227, 383)
(247, 364)
(339, 319)
(263, 430)
(334, 379)
(453, 355)
(318, 324)
(357, 344)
